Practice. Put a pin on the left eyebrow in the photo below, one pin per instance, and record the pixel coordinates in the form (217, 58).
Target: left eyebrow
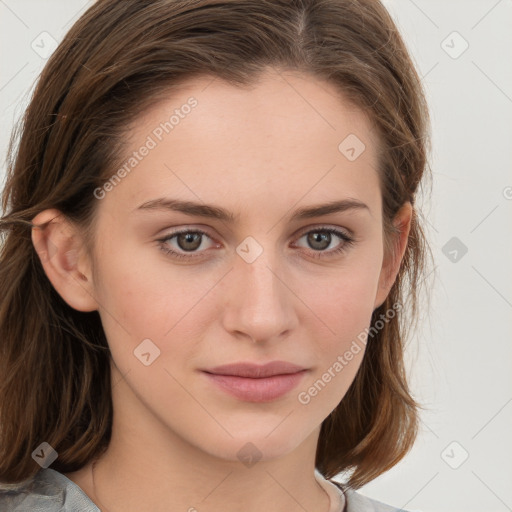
(216, 212)
(328, 208)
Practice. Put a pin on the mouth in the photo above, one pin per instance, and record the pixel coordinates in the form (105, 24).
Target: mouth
(256, 383)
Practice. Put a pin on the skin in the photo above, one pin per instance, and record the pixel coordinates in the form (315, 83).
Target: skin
(260, 152)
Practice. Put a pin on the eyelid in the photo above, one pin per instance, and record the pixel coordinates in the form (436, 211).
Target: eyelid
(187, 229)
(299, 233)
(320, 227)
(344, 234)
(164, 243)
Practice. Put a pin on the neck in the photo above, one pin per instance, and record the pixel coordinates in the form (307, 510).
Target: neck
(127, 480)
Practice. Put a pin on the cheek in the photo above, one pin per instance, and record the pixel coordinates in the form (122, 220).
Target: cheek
(143, 301)
(340, 310)
(345, 300)
(143, 297)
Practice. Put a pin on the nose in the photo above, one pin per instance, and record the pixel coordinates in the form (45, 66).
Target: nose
(260, 301)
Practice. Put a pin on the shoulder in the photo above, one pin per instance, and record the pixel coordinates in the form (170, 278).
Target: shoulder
(356, 502)
(48, 491)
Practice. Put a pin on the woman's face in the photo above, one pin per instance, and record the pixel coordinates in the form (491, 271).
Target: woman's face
(261, 283)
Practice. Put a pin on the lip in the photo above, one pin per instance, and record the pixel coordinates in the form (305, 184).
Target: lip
(256, 383)
(247, 369)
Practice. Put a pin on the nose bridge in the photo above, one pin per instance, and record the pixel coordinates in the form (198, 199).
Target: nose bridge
(258, 271)
(262, 307)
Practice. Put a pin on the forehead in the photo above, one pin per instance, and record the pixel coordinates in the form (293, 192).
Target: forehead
(284, 137)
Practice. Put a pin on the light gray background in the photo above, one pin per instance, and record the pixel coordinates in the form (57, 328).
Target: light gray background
(461, 356)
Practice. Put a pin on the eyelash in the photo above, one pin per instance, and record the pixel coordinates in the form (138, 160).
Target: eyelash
(348, 241)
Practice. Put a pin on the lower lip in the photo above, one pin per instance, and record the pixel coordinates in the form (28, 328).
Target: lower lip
(257, 390)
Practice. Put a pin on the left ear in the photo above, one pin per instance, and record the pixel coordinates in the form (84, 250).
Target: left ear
(394, 253)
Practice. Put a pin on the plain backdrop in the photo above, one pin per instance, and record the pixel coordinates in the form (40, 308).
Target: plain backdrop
(460, 356)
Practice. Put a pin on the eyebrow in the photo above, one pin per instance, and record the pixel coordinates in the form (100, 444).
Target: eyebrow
(216, 212)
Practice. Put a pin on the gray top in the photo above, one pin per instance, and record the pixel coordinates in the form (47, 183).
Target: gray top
(51, 491)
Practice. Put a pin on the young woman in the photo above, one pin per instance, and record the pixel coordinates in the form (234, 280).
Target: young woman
(210, 244)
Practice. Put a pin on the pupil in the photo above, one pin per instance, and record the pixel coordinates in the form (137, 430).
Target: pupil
(318, 236)
(189, 238)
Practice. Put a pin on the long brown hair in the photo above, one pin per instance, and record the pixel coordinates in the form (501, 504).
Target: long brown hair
(119, 58)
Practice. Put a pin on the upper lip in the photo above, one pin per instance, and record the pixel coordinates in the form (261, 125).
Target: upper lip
(245, 369)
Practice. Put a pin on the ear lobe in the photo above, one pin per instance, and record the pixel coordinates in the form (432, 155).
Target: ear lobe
(67, 266)
(393, 258)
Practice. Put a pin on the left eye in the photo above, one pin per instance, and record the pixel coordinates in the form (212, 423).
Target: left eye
(319, 239)
(322, 238)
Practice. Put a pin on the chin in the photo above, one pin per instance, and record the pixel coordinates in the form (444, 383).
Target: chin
(254, 446)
